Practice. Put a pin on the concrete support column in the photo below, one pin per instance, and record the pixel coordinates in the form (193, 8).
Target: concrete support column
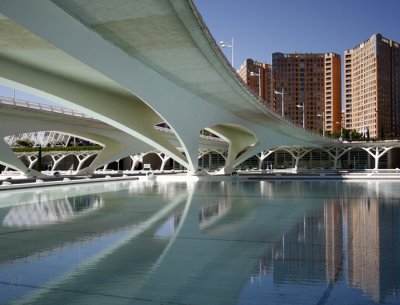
(297, 153)
(32, 160)
(82, 160)
(10, 159)
(336, 152)
(136, 159)
(240, 140)
(377, 152)
(263, 155)
(164, 160)
(57, 161)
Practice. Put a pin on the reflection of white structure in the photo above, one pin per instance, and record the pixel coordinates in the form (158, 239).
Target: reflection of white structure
(212, 213)
(42, 213)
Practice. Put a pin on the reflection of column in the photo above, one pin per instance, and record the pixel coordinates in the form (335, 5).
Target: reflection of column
(316, 243)
(363, 246)
(333, 240)
(305, 244)
(211, 213)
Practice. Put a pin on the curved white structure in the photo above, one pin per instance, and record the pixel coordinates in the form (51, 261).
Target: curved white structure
(134, 64)
(18, 117)
(17, 120)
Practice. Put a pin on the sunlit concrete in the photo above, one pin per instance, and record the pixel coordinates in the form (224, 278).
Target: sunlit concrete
(134, 64)
(116, 143)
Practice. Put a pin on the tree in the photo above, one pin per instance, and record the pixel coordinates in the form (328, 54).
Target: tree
(346, 134)
(355, 136)
(39, 161)
(24, 143)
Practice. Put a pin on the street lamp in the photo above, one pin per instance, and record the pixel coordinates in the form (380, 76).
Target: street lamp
(341, 131)
(341, 125)
(323, 123)
(283, 100)
(224, 45)
(302, 106)
(259, 79)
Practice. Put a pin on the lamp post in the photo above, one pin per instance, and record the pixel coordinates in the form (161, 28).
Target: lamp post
(224, 45)
(323, 122)
(341, 131)
(342, 123)
(283, 100)
(302, 106)
(259, 79)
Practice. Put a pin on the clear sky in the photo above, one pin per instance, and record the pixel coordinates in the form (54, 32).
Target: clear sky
(262, 27)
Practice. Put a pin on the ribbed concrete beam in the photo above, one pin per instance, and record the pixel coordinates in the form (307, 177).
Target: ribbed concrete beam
(115, 142)
(137, 75)
(124, 112)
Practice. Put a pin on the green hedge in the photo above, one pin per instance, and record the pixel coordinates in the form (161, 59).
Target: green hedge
(59, 148)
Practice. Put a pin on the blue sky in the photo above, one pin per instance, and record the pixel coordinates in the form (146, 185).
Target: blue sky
(261, 27)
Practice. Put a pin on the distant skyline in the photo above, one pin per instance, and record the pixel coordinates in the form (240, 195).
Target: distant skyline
(262, 27)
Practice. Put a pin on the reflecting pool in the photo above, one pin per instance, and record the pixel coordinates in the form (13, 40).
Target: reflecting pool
(202, 243)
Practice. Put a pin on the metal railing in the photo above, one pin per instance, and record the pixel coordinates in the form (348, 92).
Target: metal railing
(15, 103)
(39, 138)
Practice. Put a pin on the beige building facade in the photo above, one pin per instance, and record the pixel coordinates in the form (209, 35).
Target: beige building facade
(258, 76)
(312, 89)
(372, 88)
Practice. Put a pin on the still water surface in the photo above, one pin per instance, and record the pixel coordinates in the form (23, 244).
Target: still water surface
(202, 243)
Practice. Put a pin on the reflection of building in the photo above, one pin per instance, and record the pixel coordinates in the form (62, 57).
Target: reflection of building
(333, 241)
(211, 213)
(169, 227)
(312, 81)
(372, 87)
(373, 258)
(253, 73)
(313, 249)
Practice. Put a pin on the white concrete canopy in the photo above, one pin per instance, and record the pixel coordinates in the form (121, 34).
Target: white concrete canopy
(16, 120)
(116, 143)
(136, 63)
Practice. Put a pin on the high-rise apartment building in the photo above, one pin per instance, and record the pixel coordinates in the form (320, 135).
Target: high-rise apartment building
(372, 87)
(310, 83)
(254, 73)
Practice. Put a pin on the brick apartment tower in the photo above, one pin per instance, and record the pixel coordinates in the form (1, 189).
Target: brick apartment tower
(312, 80)
(250, 67)
(372, 88)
